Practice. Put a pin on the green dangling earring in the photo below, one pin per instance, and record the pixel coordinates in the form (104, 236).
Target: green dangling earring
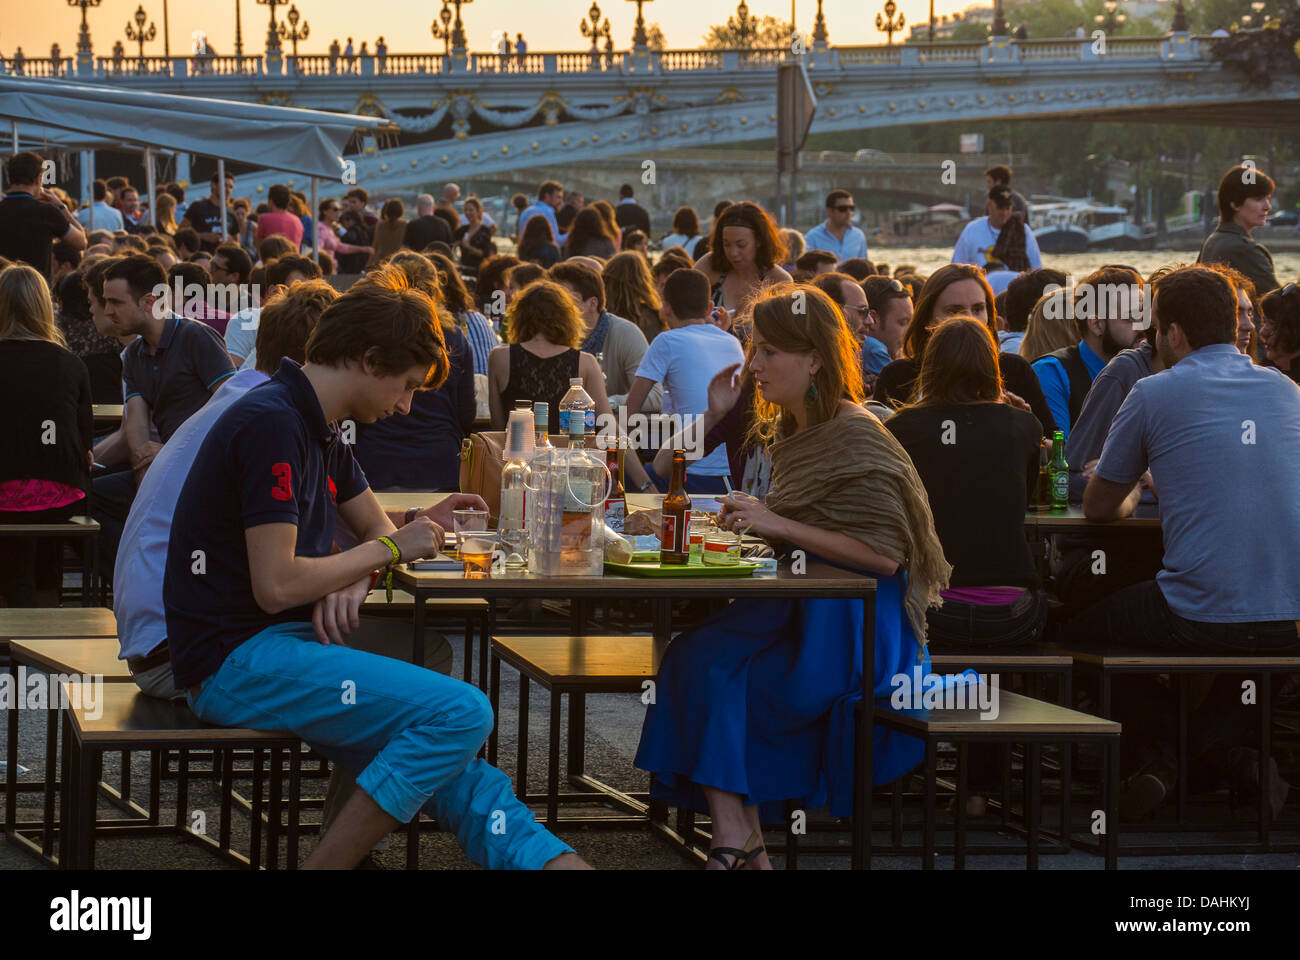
(810, 396)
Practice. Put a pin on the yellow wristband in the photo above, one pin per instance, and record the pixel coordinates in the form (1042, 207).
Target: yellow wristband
(397, 554)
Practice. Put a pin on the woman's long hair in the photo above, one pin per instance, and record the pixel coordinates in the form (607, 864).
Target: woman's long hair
(630, 292)
(769, 250)
(606, 211)
(455, 295)
(422, 274)
(588, 225)
(166, 217)
(960, 365)
(1048, 327)
(797, 318)
(537, 234)
(26, 310)
(918, 334)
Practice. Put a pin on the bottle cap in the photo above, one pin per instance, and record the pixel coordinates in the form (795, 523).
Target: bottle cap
(576, 381)
(541, 414)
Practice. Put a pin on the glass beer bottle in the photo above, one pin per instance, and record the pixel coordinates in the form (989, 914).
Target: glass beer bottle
(1060, 473)
(674, 535)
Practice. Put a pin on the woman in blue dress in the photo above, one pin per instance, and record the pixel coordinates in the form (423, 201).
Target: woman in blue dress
(754, 705)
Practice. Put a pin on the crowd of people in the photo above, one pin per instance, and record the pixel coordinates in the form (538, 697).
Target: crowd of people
(880, 420)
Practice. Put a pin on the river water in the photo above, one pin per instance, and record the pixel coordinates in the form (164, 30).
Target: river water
(1078, 265)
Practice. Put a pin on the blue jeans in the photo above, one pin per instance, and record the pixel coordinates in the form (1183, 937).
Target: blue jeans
(409, 735)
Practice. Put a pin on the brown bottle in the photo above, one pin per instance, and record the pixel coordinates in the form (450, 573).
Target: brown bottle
(616, 502)
(1043, 490)
(674, 536)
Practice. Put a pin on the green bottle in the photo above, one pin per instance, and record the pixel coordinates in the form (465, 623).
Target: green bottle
(1059, 473)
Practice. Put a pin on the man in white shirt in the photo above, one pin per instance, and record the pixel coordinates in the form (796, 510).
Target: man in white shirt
(685, 357)
(105, 217)
(980, 236)
(837, 234)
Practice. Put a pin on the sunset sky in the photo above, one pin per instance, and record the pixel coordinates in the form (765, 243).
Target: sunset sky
(546, 24)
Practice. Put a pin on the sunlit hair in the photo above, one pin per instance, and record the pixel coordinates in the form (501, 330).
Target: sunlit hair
(455, 295)
(797, 318)
(386, 322)
(1049, 327)
(422, 274)
(26, 310)
(923, 313)
(287, 322)
(606, 210)
(630, 292)
(545, 309)
(960, 365)
(769, 250)
(166, 216)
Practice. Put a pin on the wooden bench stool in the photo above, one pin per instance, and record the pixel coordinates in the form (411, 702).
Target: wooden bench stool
(1105, 665)
(36, 622)
(75, 528)
(126, 719)
(79, 659)
(575, 666)
(472, 612)
(1020, 719)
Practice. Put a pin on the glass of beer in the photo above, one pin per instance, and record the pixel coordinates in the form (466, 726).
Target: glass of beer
(476, 548)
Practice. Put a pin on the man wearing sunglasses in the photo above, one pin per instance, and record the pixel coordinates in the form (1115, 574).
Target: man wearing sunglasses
(838, 234)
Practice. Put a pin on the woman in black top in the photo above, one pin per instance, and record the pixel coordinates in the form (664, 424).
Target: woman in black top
(537, 245)
(978, 459)
(957, 289)
(102, 355)
(474, 239)
(590, 236)
(45, 472)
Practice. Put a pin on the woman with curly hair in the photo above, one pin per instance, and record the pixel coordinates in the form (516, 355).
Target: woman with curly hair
(745, 255)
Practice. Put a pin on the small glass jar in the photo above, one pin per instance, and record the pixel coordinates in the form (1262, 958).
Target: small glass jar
(721, 548)
(700, 525)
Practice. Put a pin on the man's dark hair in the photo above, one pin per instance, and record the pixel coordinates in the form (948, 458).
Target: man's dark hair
(832, 284)
(437, 246)
(73, 297)
(176, 191)
(835, 196)
(582, 278)
(880, 290)
(548, 187)
(94, 275)
(24, 167)
(859, 268)
(278, 271)
(1240, 184)
(1282, 307)
(99, 189)
(522, 274)
(117, 183)
(142, 274)
(287, 322)
(279, 196)
(1001, 196)
(381, 319)
(625, 191)
(999, 174)
(671, 260)
(811, 260)
(237, 260)
(274, 247)
(1202, 303)
(190, 273)
(1025, 291)
(520, 202)
(188, 238)
(65, 252)
(687, 293)
(359, 193)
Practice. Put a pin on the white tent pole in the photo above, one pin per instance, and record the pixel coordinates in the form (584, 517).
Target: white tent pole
(315, 217)
(13, 129)
(149, 185)
(90, 187)
(221, 177)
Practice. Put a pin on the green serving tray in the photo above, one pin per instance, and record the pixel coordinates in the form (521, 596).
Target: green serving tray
(653, 568)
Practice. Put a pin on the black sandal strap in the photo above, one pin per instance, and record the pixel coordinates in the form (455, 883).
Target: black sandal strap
(738, 856)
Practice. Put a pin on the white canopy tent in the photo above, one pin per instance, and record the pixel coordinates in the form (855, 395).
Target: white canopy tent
(84, 116)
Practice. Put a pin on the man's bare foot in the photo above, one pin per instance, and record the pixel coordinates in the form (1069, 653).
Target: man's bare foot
(568, 861)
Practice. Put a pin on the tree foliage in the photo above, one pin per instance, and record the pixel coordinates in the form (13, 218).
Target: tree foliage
(767, 32)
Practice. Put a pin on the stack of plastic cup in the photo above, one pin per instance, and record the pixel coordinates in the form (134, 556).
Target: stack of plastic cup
(520, 435)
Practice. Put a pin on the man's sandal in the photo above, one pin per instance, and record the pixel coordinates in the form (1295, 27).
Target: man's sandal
(739, 857)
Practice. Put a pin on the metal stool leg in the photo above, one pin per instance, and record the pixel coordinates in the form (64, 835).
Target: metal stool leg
(959, 830)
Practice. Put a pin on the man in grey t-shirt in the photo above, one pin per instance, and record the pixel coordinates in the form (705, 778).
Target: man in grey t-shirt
(1208, 428)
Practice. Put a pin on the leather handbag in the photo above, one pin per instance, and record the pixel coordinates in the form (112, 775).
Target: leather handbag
(481, 463)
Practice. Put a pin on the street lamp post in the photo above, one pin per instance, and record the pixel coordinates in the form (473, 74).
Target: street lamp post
(1111, 22)
(443, 32)
(83, 38)
(596, 30)
(999, 20)
(820, 34)
(239, 33)
(272, 31)
(1180, 18)
(744, 35)
(292, 33)
(888, 24)
(139, 34)
(458, 29)
(639, 38)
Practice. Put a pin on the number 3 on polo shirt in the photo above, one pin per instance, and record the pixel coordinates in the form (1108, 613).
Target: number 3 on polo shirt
(283, 474)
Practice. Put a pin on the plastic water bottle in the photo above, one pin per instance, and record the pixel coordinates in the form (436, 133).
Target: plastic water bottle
(515, 477)
(577, 402)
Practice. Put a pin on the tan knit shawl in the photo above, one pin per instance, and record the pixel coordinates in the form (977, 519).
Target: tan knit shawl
(849, 475)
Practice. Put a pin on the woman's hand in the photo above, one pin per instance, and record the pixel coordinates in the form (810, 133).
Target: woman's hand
(1014, 400)
(724, 390)
(740, 511)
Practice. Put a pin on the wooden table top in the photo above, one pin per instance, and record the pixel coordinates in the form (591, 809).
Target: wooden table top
(1146, 517)
(1016, 715)
(120, 713)
(24, 622)
(106, 411)
(87, 656)
(72, 527)
(406, 499)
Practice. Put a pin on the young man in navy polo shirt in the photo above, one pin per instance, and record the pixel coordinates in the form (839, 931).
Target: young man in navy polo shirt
(249, 557)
